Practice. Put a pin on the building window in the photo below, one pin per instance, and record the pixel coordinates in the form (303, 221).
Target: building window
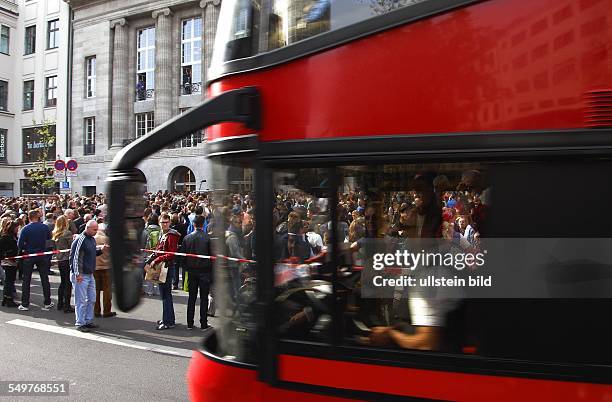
(191, 140)
(51, 91)
(145, 78)
(5, 39)
(3, 96)
(191, 59)
(53, 34)
(28, 95)
(30, 39)
(90, 136)
(90, 66)
(145, 122)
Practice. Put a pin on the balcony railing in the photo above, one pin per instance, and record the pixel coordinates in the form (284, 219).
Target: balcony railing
(191, 88)
(89, 149)
(144, 94)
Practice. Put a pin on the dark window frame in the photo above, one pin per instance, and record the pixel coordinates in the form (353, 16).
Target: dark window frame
(89, 139)
(51, 102)
(90, 77)
(28, 95)
(4, 91)
(30, 40)
(53, 34)
(8, 39)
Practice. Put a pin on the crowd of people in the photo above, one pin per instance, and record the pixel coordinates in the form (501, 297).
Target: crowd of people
(432, 206)
(75, 227)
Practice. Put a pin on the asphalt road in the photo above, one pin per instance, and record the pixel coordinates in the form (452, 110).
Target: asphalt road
(125, 359)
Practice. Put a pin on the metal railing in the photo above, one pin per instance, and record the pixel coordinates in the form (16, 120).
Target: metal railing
(191, 88)
(144, 94)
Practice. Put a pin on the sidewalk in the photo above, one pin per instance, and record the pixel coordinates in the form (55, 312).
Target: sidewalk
(137, 325)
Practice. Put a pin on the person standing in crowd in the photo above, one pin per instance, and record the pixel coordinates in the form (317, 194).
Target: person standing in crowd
(83, 254)
(233, 241)
(62, 236)
(102, 274)
(87, 218)
(151, 235)
(8, 248)
(178, 224)
(70, 214)
(50, 221)
(168, 242)
(200, 272)
(78, 220)
(35, 237)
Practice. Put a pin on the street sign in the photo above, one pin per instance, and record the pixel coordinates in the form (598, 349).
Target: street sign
(59, 176)
(72, 165)
(65, 187)
(59, 165)
(71, 173)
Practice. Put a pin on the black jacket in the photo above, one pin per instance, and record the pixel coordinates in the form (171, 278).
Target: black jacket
(197, 242)
(8, 247)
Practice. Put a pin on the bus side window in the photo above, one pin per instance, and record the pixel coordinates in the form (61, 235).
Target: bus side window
(301, 240)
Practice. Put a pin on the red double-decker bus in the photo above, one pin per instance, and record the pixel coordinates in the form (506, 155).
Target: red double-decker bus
(338, 129)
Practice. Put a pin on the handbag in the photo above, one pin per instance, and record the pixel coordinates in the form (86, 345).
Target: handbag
(163, 273)
(157, 273)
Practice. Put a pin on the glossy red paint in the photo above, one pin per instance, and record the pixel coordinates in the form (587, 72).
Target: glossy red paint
(210, 381)
(434, 384)
(495, 65)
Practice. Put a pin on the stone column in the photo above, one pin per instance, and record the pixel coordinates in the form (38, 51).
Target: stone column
(163, 65)
(210, 17)
(121, 92)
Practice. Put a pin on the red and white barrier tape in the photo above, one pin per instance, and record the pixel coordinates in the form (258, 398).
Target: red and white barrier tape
(19, 257)
(206, 257)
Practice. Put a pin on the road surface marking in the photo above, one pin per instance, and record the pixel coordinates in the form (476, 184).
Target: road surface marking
(100, 338)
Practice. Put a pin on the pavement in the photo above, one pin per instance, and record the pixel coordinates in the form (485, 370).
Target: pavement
(125, 359)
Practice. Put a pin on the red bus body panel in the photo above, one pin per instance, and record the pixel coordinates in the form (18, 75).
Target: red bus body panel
(212, 381)
(496, 65)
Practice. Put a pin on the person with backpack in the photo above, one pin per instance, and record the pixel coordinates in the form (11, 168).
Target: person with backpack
(151, 234)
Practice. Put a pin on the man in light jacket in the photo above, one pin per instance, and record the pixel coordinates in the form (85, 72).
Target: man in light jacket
(102, 275)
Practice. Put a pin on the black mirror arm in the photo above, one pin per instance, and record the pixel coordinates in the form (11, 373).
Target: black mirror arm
(239, 105)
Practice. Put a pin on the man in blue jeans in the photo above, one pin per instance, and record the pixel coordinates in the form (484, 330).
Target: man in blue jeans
(35, 237)
(168, 242)
(83, 254)
(200, 272)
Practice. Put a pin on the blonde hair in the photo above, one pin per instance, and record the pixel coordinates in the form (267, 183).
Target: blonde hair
(5, 225)
(61, 224)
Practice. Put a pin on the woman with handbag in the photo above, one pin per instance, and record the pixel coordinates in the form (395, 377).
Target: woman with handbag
(8, 248)
(62, 236)
(168, 242)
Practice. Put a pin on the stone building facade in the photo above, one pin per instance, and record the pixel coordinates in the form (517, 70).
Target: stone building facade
(136, 64)
(34, 37)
